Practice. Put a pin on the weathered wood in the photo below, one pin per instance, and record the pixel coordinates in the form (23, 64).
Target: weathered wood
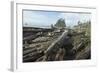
(29, 51)
(32, 56)
(56, 46)
(84, 54)
(31, 37)
(41, 39)
(28, 29)
(78, 47)
(60, 54)
(58, 43)
(64, 41)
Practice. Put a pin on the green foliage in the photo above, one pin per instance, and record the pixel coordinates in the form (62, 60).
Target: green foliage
(84, 27)
(60, 23)
(86, 38)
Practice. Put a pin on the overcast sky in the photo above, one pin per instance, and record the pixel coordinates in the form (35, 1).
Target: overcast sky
(46, 18)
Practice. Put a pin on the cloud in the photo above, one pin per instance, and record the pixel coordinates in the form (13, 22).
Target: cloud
(31, 17)
(38, 18)
(73, 18)
(43, 19)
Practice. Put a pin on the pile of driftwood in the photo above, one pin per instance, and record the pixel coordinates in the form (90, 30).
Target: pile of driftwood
(51, 45)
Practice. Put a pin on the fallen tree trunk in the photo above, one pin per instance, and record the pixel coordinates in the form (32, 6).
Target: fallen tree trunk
(58, 43)
(29, 51)
(84, 54)
(64, 41)
(32, 56)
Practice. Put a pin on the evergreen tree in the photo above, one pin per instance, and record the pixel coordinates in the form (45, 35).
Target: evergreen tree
(60, 23)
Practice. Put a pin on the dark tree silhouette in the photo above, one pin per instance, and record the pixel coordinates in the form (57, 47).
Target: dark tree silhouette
(60, 23)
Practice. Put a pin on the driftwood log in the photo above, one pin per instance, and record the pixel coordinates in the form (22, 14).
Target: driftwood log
(64, 41)
(60, 49)
(84, 54)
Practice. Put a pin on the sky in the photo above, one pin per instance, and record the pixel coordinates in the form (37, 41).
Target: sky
(46, 18)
